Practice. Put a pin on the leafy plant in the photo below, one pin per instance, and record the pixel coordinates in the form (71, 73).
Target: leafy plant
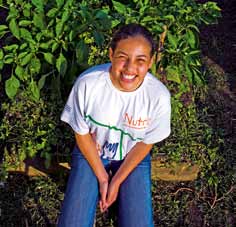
(181, 19)
(41, 37)
(28, 128)
(47, 44)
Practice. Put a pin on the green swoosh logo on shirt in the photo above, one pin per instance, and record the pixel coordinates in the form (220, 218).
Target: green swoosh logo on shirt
(116, 129)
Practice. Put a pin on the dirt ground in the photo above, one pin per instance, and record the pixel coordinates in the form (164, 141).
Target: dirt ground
(218, 44)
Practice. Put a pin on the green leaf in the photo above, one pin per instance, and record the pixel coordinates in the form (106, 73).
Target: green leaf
(82, 51)
(8, 59)
(148, 19)
(11, 48)
(39, 36)
(190, 38)
(99, 38)
(172, 40)
(86, 14)
(26, 11)
(1, 54)
(59, 3)
(100, 14)
(189, 73)
(49, 58)
(25, 60)
(22, 155)
(65, 16)
(72, 35)
(1, 66)
(68, 4)
(20, 72)
(55, 45)
(32, 46)
(14, 28)
(39, 20)
(52, 12)
(23, 46)
(2, 33)
(194, 27)
(45, 45)
(38, 4)
(114, 23)
(194, 52)
(212, 5)
(11, 86)
(3, 27)
(105, 24)
(173, 74)
(22, 54)
(197, 78)
(65, 46)
(25, 34)
(59, 28)
(179, 3)
(158, 28)
(13, 12)
(35, 65)
(61, 64)
(119, 7)
(169, 17)
(25, 23)
(42, 81)
(48, 33)
(34, 90)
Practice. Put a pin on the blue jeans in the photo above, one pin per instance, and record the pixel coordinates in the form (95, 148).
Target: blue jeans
(134, 203)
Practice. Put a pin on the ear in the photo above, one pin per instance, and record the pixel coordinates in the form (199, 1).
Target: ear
(110, 54)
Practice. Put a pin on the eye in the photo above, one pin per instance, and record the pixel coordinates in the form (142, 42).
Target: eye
(121, 57)
(141, 60)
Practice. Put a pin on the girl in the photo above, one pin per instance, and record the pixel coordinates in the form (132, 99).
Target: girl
(117, 111)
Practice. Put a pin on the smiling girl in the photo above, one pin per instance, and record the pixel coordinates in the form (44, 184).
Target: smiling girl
(117, 111)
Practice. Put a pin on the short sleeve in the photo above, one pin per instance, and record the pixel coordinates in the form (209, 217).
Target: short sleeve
(74, 110)
(159, 126)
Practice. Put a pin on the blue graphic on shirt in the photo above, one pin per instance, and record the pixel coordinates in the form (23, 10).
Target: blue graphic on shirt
(109, 150)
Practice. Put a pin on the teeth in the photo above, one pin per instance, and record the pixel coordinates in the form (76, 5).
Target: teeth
(128, 77)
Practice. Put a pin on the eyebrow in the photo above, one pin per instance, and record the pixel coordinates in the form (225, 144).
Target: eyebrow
(121, 52)
(139, 56)
(142, 56)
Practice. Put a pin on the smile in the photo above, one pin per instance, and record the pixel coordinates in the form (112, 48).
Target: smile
(128, 78)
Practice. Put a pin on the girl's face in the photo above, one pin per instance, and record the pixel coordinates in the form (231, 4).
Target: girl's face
(131, 61)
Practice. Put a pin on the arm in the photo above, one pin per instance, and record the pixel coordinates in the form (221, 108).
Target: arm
(133, 158)
(88, 149)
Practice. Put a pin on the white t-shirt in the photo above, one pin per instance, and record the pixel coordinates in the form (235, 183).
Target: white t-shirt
(117, 120)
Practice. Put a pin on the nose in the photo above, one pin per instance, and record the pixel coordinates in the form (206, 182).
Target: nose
(130, 67)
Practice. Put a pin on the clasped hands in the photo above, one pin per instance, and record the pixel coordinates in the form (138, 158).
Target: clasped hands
(108, 193)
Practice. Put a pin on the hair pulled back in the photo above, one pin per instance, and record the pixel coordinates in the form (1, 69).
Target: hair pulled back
(132, 30)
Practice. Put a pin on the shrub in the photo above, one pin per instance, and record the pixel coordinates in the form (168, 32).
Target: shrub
(46, 44)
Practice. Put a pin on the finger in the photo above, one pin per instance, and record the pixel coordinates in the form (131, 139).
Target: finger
(103, 207)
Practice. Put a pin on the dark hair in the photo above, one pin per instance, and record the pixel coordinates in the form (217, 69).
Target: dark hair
(132, 30)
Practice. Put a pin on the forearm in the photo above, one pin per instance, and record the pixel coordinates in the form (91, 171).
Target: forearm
(134, 157)
(89, 150)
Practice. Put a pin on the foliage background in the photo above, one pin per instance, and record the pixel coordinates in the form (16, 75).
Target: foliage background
(44, 48)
